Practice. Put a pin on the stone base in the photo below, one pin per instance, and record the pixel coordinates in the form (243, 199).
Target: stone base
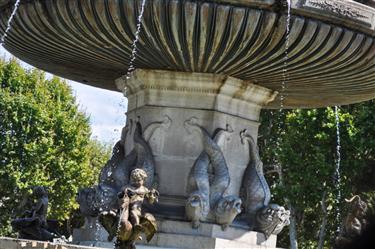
(11, 243)
(179, 234)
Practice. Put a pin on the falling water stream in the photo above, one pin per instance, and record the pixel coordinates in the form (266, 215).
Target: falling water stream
(133, 57)
(337, 168)
(284, 80)
(131, 67)
(285, 70)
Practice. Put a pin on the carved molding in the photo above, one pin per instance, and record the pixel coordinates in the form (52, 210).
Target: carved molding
(338, 7)
(196, 91)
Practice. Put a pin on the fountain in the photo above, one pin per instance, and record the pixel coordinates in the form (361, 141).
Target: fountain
(196, 75)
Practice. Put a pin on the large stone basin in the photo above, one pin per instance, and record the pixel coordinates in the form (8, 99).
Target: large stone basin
(330, 58)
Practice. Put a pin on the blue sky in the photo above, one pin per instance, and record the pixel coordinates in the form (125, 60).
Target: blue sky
(105, 108)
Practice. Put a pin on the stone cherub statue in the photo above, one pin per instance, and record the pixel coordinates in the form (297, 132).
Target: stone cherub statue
(133, 221)
(33, 223)
(354, 223)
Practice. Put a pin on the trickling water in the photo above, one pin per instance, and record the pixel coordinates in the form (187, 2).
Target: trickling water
(284, 76)
(131, 67)
(285, 71)
(337, 168)
(97, 230)
(9, 23)
(135, 41)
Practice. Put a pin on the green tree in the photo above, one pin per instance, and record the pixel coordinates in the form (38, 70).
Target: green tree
(44, 140)
(300, 146)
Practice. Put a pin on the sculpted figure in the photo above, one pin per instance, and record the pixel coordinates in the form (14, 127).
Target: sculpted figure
(255, 194)
(92, 201)
(132, 220)
(354, 223)
(116, 173)
(271, 219)
(145, 159)
(101, 200)
(198, 206)
(208, 180)
(33, 223)
(255, 191)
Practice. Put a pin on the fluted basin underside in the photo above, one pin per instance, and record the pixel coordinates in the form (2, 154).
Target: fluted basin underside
(330, 57)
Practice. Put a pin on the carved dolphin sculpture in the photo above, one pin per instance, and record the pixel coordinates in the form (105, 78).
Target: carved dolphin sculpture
(115, 174)
(145, 159)
(116, 171)
(227, 209)
(107, 173)
(255, 191)
(94, 200)
(221, 178)
(196, 208)
(201, 185)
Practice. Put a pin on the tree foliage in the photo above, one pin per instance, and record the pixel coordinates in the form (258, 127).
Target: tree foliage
(44, 140)
(303, 144)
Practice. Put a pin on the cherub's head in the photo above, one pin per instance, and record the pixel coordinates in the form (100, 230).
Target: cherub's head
(137, 177)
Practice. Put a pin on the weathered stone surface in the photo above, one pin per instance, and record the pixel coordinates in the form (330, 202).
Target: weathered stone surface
(331, 58)
(215, 231)
(215, 101)
(199, 91)
(178, 234)
(10, 243)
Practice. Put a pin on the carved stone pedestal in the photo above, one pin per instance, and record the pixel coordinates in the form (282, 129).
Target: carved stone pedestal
(195, 136)
(163, 101)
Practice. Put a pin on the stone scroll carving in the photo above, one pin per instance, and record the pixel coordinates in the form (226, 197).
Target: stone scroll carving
(151, 128)
(337, 7)
(208, 180)
(102, 201)
(255, 193)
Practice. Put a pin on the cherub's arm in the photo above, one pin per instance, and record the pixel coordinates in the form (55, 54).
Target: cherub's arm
(152, 196)
(122, 193)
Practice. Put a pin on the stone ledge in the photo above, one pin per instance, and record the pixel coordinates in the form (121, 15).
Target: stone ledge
(199, 242)
(179, 234)
(214, 231)
(11, 243)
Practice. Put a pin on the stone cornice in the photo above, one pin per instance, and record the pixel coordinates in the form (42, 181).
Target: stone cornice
(196, 91)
